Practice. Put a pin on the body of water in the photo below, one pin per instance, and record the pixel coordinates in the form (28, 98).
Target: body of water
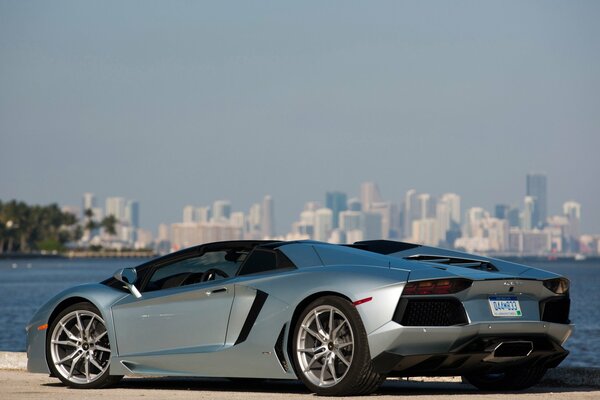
(26, 284)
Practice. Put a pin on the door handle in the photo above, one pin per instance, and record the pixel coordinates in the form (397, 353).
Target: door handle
(221, 290)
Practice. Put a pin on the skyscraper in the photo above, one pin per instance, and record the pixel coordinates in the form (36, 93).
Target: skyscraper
(88, 202)
(221, 210)
(132, 213)
(268, 217)
(369, 194)
(528, 213)
(115, 206)
(323, 224)
(410, 212)
(336, 202)
(537, 189)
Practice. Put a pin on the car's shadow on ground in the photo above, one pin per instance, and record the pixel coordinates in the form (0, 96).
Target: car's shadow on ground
(392, 387)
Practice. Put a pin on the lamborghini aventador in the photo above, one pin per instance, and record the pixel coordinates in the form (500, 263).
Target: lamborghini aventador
(341, 318)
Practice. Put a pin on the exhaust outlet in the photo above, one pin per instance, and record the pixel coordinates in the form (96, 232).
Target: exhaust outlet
(510, 351)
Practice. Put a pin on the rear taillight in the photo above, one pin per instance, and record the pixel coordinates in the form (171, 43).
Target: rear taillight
(557, 285)
(437, 286)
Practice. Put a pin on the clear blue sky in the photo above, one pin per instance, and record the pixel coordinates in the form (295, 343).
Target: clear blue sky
(185, 102)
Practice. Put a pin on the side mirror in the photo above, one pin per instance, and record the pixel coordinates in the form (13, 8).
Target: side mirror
(128, 276)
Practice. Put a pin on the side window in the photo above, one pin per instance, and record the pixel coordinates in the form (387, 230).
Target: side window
(209, 266)
(265, 260)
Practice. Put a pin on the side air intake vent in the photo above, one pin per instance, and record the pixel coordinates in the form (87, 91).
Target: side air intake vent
(454, 261)
(279, 350)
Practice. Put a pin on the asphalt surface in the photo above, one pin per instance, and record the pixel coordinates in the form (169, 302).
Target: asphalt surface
(22, 385)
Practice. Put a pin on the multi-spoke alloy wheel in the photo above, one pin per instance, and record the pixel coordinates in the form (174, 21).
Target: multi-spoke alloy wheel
(78, 348)
(325, 346)
(330, 349)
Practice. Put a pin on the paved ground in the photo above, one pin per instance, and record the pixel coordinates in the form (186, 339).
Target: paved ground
(23, 385)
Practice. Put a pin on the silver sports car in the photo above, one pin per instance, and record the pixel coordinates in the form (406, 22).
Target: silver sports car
(341, 318)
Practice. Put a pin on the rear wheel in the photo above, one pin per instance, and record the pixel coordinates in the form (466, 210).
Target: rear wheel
(77, 348)
(330, 349)
(512, 379)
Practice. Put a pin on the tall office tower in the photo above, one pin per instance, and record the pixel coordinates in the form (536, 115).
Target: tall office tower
(268, 217)
(350, 220)
(371, 225)
(473, 216)
(203, 214)
(254, 218)
(354, 204)
(164, 233)
(452, 200)
(221, 210)
(528, 213)
(384, 208)
(88, 203)
(132, 213)
(443, 218)
(572, 210)
(425, 206)
(189, 214)
(115, 206)
(501, 211)
(323, 224)
(410, 212)
(369, 194)
(237, 219)
(537, 189)
(336, 202)
(513, 217)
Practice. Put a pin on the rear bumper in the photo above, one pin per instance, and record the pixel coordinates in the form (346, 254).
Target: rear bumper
(475, 355)
(455, 350)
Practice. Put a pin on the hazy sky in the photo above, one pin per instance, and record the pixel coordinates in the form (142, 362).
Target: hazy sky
(186, 102)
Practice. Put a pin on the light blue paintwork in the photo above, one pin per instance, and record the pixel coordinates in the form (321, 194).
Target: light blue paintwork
(192, 330)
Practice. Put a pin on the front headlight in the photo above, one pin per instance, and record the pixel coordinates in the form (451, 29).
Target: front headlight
(558, 285)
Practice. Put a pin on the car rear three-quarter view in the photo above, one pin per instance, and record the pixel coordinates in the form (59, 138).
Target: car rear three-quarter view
(341, 318)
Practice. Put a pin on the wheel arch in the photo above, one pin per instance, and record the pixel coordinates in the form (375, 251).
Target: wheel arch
(69, 302)
(299, 308)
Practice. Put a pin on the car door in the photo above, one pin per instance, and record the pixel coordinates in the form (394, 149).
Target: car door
(178, 312)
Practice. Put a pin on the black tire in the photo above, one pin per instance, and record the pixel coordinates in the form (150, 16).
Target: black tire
(334, 351)
(89, 365)
(518, 378)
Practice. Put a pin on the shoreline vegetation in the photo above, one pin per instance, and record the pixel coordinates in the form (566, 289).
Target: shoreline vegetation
(46, 231)
(80, 253)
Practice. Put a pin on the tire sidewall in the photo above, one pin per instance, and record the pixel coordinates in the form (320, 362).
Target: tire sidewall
(360, 356)
(104, 379)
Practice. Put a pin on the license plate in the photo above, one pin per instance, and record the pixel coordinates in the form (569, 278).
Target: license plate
(505, 306)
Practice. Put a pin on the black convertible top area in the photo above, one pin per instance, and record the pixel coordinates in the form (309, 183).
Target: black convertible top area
(383, 246)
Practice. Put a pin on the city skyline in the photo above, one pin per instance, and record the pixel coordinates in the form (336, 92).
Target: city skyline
(339, 218)
(191, 102)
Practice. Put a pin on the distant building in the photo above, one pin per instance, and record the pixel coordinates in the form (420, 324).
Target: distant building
(221, 210)
(371, 225)
(268, 217)
(501, 211)
(115, 206)
(189, 214)
(537, 190)
(572, 211)
(528, 216)
(410, 212)
(323, 224)
(336, 202)
(369, 194)
(354, 204)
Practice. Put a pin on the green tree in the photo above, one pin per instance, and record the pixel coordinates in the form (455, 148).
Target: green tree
(109, 223)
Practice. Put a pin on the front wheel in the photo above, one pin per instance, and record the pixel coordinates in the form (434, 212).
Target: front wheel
(330, 349)
(512, 379)
(77, 348)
